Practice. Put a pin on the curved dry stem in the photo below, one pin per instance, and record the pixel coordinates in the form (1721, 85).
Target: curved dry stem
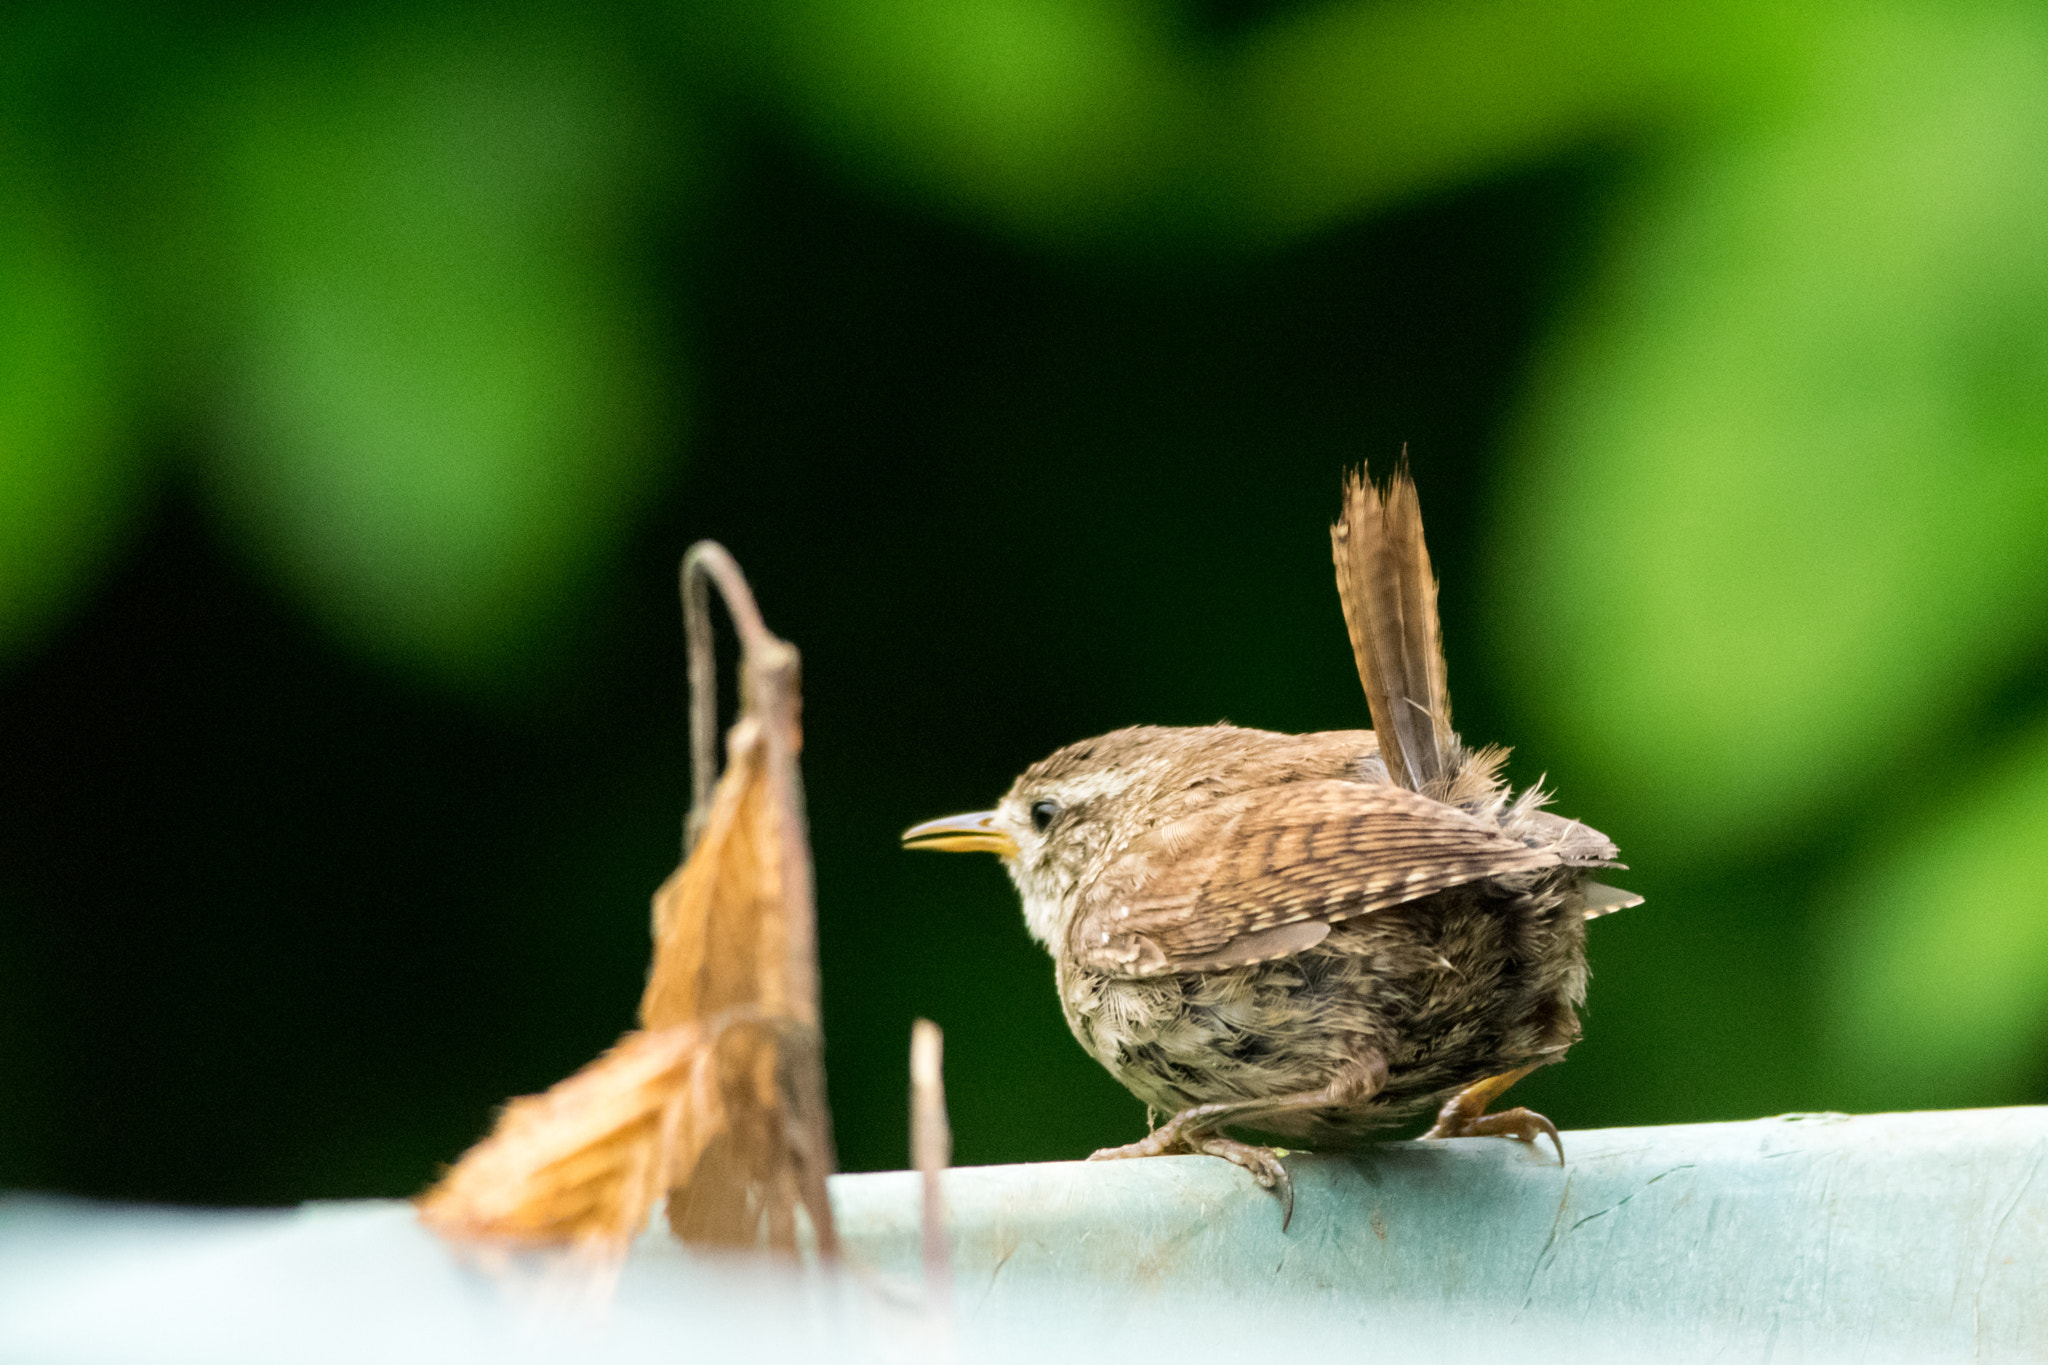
(704, 564)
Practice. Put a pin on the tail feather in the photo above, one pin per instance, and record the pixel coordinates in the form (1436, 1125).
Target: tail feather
(1389, 595)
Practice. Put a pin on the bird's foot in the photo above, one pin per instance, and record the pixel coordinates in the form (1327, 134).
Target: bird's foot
(1262, 1162)
(1184, 1133)
(1464, 1115)
(1523, 1125)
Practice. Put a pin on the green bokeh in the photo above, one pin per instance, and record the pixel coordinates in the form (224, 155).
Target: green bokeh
(1940, 947)
(1347, 107)
(1783, 517)
(1054, 116)
(448, 391)
(68, 462)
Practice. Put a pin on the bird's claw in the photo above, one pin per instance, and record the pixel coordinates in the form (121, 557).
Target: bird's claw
(1523, 1125)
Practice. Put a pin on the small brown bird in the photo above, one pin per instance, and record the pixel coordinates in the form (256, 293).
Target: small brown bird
(1309, 936)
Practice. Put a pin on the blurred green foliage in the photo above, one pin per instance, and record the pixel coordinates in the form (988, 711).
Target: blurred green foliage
(1767, 555)
(444, 380)
(1939, 1000)
(67, 473)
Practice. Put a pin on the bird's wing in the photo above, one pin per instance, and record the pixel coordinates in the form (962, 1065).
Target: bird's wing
(1265, 873)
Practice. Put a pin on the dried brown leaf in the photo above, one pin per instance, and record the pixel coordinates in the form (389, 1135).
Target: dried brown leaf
(583, 1164)
(720, 1103)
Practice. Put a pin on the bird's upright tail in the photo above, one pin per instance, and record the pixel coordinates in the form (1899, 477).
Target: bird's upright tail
(1389, 596)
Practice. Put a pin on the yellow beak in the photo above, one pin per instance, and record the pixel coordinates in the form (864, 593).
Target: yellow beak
(975, 833)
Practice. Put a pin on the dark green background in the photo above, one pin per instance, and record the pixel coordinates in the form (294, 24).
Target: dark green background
(302, 873)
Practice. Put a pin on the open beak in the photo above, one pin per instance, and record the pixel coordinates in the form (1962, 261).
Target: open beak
(975, 833)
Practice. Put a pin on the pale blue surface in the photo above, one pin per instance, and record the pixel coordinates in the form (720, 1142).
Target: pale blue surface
(1888, 1238)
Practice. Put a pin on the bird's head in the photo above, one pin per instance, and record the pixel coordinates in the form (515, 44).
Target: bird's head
(1061, 820)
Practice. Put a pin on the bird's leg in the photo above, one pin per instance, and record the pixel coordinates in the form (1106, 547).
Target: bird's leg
(1464, 1114)
(1197, 1129)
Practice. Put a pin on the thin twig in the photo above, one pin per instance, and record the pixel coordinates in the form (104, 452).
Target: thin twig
(931, 1151)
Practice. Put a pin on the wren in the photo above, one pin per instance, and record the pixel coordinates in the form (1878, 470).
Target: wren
(1310, 937)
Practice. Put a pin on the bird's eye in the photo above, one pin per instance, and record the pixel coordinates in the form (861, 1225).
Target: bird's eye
(1042, 813)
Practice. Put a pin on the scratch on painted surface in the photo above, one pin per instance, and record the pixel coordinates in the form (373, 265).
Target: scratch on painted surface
(1543, 1257)
(995, 1271)
(1827, 1231)
(1602, 1213)
(1549, 1251)
(1991, 1247)
(1165, 1256)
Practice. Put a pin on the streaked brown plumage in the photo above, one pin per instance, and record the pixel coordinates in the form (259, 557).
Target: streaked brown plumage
(1310, 936)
